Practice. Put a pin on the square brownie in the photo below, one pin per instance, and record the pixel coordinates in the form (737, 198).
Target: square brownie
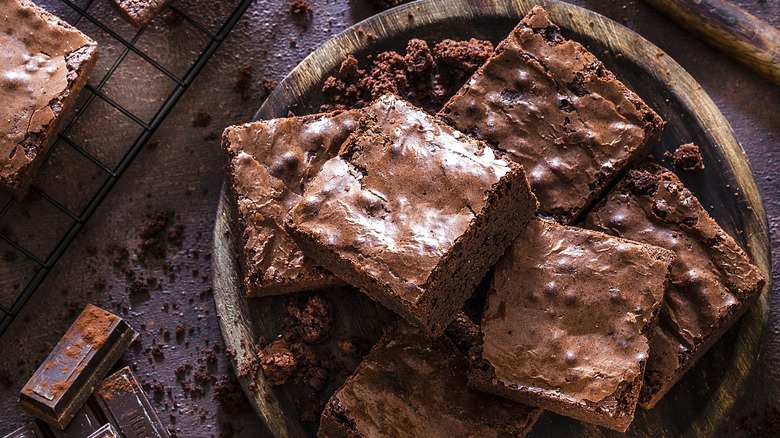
(567, 321)
(413, 212)
(712, 281)
(44, 64)
(268, 164)
(411, 385)
(140, 12)
(550, 105)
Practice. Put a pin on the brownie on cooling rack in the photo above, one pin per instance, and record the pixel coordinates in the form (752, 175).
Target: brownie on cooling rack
(412, 211)
(712, 281)
(45, 62)
(268, 163)
(567, 320)
(550, 105)
(140, 12)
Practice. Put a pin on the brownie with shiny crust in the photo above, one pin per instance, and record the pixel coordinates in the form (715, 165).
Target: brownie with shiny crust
(567, 321)
(268, 163)
(712, 281)
(411, 385)
(413, 212)
(44, 64)
(550, 105)
(140, 12)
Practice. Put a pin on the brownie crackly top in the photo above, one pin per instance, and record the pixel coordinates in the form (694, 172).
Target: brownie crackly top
(38, 60)
(710, 280)
(553, 107)
(410, 385)
(399, 194)
(268, 163)
(568, 308)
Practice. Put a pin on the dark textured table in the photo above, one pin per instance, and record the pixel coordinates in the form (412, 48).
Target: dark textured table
(182, 172)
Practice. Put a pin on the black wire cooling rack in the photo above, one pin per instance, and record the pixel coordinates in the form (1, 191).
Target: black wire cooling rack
(38, 262)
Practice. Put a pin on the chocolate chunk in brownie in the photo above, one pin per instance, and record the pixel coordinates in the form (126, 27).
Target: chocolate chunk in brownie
(140, 12)
(567, 321)
(410, 385)
(412, 211)
(267, 165)
(45, 62)
(712, 281)
(550, 105)
(687, 157)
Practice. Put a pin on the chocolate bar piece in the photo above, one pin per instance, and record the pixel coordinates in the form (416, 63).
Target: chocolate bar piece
(86, 352)
(108, 431)
(124, 404)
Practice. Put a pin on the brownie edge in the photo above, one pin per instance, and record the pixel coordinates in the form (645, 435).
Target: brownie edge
(412, 212)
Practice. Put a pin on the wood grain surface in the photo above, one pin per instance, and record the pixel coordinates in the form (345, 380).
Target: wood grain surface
(700, 403)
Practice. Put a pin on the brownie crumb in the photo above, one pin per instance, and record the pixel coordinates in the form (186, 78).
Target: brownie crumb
(137, 287)
(687, 157)
(466, 56)
(228, 393)
(419, 61)
(278, 362)
(176, 235)
(349, 67)
(202, 119)
(299, 7)
(241, 84)
(269, 85)
(355, 347)
(311, 322)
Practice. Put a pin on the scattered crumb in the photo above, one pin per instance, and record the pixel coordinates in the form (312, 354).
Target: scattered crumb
(687, 157)
(202, 119)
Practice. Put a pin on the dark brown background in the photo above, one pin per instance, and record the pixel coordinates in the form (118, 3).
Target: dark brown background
(183, 174)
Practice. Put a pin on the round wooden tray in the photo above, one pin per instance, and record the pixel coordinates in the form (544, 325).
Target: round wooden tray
(702, 400)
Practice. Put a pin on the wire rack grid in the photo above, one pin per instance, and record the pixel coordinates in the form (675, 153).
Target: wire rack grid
(12, 301)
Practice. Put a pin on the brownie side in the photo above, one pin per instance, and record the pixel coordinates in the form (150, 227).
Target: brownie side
(140, 12)
(412, 212)
(550, 105)
(46, 63)
(712, 281)
(267, 164)
(411, 385)
(568, 322)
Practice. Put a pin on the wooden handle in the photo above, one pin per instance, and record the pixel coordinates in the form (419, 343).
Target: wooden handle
(730, 29)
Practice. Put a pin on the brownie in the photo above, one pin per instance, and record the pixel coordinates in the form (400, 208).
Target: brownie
(550, 105)
(44, 64)
(712, 281)
(411, 385)
(140, 12)
(412, 211)
(567, 321)
(267, 165)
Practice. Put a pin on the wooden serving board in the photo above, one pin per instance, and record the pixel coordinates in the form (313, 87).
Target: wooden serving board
(703, 399)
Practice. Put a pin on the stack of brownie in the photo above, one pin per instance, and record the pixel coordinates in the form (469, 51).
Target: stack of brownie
(415, 210)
